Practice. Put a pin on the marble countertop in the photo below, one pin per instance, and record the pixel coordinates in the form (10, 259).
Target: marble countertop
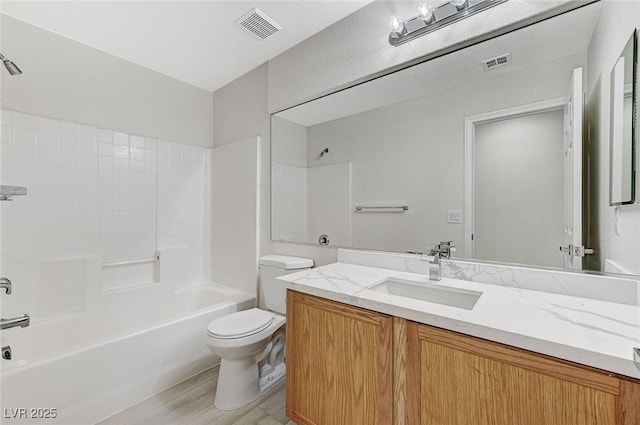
(596, 333)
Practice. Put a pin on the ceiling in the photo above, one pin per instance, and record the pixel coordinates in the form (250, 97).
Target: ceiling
(196, 42)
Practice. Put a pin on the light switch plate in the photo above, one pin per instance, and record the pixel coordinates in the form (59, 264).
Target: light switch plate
(454, 216)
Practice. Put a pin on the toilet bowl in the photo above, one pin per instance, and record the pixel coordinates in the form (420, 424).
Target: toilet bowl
(251, 343)
(243, 340)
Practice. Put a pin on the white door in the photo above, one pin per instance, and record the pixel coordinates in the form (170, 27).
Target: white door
(572, 248)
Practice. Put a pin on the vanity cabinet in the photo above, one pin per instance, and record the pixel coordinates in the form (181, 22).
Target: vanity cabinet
(455, 379)
(347, 366)
(339, 368)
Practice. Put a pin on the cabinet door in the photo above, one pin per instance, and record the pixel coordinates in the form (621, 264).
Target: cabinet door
(454, 379)
(338, 363)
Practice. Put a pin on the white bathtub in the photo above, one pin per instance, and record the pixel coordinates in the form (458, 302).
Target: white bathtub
(123, 357)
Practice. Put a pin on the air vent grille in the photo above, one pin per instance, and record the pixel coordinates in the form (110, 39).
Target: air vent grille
(498, 61)
(258, 23)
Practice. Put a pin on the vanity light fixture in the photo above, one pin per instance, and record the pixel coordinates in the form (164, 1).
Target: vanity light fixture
(397, 27)
(426, 13)
(429, 19)
(460, 4)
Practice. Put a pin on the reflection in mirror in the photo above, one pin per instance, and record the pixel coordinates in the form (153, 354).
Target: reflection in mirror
(623, 148)
(450, 149)
(513, 200)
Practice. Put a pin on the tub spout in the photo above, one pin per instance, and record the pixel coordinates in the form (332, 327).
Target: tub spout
(23, 322)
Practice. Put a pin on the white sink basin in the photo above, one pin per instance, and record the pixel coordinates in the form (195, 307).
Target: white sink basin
(454, 297)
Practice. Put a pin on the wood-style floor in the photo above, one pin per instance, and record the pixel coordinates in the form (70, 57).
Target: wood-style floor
(191, 403)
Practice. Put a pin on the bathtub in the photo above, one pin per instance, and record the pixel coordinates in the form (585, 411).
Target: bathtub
(126, 354)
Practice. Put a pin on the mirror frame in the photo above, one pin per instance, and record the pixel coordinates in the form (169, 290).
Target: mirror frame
(635, 139)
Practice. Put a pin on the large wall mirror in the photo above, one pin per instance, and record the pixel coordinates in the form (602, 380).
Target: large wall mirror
(623, 180)
(482, 147)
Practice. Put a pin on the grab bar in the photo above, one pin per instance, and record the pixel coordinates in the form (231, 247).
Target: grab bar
(22, 321)
(135, 261)
(7, 192)
(362, 208)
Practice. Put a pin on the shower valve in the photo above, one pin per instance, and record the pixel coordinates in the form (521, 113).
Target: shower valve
(6, 352)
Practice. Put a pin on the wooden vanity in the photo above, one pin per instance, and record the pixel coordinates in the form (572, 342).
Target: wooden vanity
(351, 366)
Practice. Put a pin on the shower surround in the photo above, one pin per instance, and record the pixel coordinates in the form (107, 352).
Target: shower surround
(96, 196)
(99, 196)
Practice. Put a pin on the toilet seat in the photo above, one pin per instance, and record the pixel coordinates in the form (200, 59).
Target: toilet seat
(240, 324)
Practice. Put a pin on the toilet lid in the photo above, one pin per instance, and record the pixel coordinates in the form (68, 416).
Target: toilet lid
(241, 323)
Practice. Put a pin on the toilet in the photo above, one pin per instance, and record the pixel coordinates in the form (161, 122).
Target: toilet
(250, 343)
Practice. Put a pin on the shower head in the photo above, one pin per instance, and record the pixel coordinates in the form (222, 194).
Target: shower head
(11, 67)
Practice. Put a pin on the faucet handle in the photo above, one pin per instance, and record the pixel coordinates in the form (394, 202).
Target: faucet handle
(446, 248)
(6, 284)
(434, 250)
(443, 249)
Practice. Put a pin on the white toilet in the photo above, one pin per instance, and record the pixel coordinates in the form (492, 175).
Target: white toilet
(250, 343)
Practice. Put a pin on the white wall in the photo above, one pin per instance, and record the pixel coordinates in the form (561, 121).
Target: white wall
(289, 171)
(235, 228)
(239, 108)
(292, 146)
(289, 202)
(617, 21)
(329, 203)
(65, 80)
(519, 203)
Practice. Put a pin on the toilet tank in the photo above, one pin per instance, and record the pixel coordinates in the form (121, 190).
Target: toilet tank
(273, 292)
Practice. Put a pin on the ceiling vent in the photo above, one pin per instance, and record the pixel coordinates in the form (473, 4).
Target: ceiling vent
(497, 62)
(258, 23)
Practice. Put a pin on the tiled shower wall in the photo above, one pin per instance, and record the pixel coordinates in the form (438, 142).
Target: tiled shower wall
(96, 196)
(127, 186)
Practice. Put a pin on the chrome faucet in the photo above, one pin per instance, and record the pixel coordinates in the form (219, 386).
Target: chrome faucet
(6, 284)
(441, 250)
(22, 321)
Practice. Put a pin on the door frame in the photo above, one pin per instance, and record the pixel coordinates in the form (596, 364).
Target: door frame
(470, 123)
